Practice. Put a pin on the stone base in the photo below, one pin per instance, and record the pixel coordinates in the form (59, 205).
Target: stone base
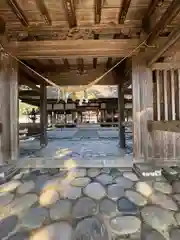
(146, 171)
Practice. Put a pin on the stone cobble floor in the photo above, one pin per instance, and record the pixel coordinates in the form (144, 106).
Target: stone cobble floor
(88, 204)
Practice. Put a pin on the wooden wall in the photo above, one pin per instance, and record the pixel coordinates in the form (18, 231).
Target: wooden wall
(166, 106)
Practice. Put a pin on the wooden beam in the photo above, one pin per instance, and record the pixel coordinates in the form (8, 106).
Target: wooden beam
(150, 10)
(165, 65)
(18, 11)
(97, 20)
(43, 9)
(121, 108)
(66, 63)
(69, 8)
(124, 10)
(2, 26)
(43, 114)
(80, 65)
(66, 48)
(167, 126)
(49, 30)
(167, 17)
(25, 81)
(109, 63)
(172, 39)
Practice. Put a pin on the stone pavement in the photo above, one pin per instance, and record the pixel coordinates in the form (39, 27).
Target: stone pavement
(88, 204)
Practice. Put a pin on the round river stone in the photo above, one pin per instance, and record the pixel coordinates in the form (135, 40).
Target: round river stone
(48, 197)
(59, 230)
(125, 206)
(124, 182)
(77, 172)
(158, 218)
(176, 187)
(131, 176)
(105, 179)
(22, 203)
(61, 210)
(7, 225)
(80, 182)
(108, 208)
(6, 199)
(9, 186)
(34, 218)
(25, 187)
(164, 201)
(136, 198)
(93, 172)
(143, 188)
(162, 187)
(175, 234)
(91, 228)
(115, 191)
(124, 225)
(84, 207)
(95, 190)
(71, 192)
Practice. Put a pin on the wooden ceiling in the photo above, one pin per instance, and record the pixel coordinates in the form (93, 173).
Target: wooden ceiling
(64, 35)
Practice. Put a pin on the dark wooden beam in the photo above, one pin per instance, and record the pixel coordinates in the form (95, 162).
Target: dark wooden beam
(121, 108)
(109, 63)
(49, 30)
(97, 20)
(172, 39)
(124, 10)
(167, 126)
(43, 9)
(167, 17)
(2, 26)
(66, 63)
(80, 65)
(43, 114)
(25, 80)
(150, 10)
(65, 48)
(18, 11)
(69, 8)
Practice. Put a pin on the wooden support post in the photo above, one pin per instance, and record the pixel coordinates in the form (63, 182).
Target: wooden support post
(122, 143)
(142, 85)
(14, 109)
(5, 148)
(43, 114)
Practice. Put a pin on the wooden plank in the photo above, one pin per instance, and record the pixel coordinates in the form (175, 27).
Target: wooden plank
(14, 110)
(167, 17)
(43, 9)
(171, 40)
(169, 95)
(65, 48)
(158, 95)
(155, 101)
(166, 126)
(177, 96)
(43, 114)
(165, 94)
(18, 12)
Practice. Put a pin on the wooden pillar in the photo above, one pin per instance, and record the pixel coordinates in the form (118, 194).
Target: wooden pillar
(5, 148)
(142, 86)
(43, 114)
(122, 143)
(14, 110)
(9, 109)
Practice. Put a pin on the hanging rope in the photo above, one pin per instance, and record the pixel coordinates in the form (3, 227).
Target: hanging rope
(71, 89)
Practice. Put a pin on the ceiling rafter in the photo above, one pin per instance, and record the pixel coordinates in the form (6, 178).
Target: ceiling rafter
(80, 65)
(150, 10)
(69, 7)
(172, 39)
(124, 10)
(171, 12)
(43, 9)
(66, 63)
(19, 12)
(97, 20)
